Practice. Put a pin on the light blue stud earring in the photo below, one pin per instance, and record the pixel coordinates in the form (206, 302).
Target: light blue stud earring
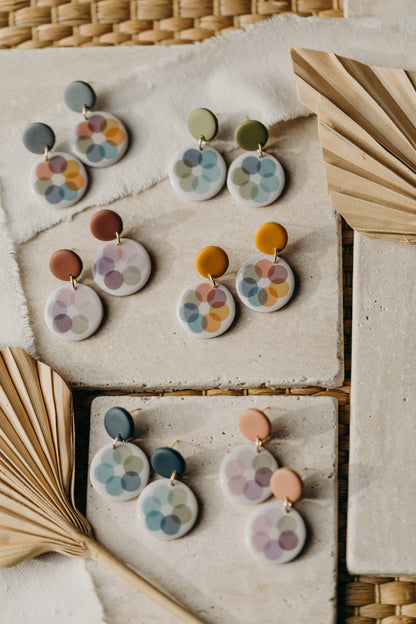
(198, 172)
(101, 138)
(120, 470)
(167, 508)
(255, 178)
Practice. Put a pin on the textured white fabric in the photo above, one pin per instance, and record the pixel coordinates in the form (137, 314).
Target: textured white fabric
(248, 74)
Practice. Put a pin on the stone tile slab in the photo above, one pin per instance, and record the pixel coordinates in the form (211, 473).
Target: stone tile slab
(210, 570)
(382, 478)
(142, 346)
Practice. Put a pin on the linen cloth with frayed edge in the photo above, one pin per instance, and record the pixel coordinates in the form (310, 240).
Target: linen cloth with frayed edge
(248, 74)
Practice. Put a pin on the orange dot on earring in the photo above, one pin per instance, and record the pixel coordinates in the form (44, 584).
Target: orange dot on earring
(253, 424)
(270, 237)
(286, 484)
(211, 262)
(105, 223)
(64, 263)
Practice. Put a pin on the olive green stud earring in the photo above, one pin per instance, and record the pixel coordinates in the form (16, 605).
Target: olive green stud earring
(255, 178)
(198, 172)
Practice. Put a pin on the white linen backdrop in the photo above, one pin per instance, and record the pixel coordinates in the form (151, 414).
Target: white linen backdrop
(247, 74)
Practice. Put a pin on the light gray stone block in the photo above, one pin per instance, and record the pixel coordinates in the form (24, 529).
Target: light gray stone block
(382, 478)
(141, 345)
(211, 570)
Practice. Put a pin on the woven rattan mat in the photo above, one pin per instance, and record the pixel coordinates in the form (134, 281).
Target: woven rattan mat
(45, 23)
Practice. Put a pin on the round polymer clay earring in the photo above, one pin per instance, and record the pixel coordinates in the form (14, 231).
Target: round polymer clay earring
(198, 173)
(122, 266)
(60, 180)
(100, 139)
(167, 508)
(207, 309)
(245, 471)
(120, 470)
(255, 178)
(73, 311)
(276, 532)
(266, 283)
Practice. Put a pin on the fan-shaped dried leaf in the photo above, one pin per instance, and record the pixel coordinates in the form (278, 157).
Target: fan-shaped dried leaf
(367, 121)
(37, 457)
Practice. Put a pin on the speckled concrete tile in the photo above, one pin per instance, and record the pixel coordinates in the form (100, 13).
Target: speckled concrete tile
(142, 346)
(382, 480)
(210, 570)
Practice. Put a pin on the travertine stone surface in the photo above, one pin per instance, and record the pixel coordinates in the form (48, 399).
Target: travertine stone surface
(211, 570)
(382, 479)
(375, 8)
(141, 345)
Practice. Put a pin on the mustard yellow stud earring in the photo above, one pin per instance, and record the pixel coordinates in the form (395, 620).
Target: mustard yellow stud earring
(266, 282)
(207, 309)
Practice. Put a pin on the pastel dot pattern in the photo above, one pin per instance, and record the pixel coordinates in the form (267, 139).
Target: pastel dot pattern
(198, 174)
(264, 286)
(59, 181)
(205, 311)
(100, 140)
(274, 535)
(165, 511)
(121, 473)
(255, 181)
(245, 474)
(121, 269)
(73, 314)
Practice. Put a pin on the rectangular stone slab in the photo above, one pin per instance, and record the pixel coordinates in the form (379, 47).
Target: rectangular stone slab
(141, 345)
(382, 477)
(210, 570)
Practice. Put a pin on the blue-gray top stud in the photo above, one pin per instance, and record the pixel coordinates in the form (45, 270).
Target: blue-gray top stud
(118, 421)
(79, 94)
(37, 136)
(166, 461)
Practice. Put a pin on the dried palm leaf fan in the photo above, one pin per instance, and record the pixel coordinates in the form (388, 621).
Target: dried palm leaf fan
(367, 130)
(37, 512)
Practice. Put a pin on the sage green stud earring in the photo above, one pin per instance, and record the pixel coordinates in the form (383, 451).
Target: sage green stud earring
(198, 172)
(255, 178)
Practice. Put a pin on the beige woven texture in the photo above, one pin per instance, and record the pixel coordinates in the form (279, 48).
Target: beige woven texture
(46, 23)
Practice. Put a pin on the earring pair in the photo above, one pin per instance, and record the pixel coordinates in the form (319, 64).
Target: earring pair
(166, 508)
(199, 172)
(99, 140)
(121, 267)
(249, 474)
(265, 283)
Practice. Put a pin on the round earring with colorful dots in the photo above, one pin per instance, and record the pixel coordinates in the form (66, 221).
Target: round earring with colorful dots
(122, 266)
(245, 471)
(60, 180)
(119, 470)
(276, 532)
(266, 282)
(198, 172)
(167, 508)
(206, 309)
(101, 138)
(255, 178)
(73, 311)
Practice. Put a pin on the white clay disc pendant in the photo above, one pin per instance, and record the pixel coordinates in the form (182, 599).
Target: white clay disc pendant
(274, 535)
(204, 310)
(255, 181)
(198, 174)
(121, 269)
(73, 314)
(264, 286)
(167, 511)
(59, 181)
(119, 473)
(100, 140)
(245, 474)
